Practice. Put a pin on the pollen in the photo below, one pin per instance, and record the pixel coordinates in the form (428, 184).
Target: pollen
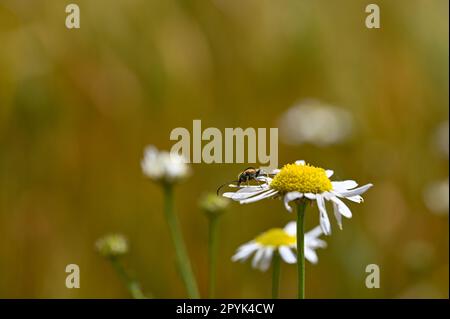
(275, 237)
(301, 178)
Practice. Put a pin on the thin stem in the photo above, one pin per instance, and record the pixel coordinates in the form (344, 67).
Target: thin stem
(275, 275)
(182, 257)
(212, 253)
(301, 249)
(131, 284)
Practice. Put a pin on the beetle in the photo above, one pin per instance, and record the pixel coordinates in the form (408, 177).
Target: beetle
(247, 175)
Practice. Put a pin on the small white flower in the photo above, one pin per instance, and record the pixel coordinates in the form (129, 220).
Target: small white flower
(281, 241)
(314, 122)
(163, 166)
(303, 181)
(436, 197)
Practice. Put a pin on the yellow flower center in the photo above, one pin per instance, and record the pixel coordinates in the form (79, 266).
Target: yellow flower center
(301, 178)
(275, 237)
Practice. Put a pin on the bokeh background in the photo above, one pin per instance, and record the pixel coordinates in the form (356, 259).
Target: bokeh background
(77, 108)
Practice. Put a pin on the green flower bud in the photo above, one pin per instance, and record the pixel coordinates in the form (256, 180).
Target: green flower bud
(212, 204)
(113, 245)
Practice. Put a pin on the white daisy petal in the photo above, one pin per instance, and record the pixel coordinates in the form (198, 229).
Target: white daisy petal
(266, 259)
(258, 197)
(291, 228)
(344, 185)
(356, 191)
(313, 233)
(244, 193)
(310, 196)
(343, 209)
(317, 243)
(287, 255)
(312, 239)
(300, 162)
(329, 173)
(324, 221)
(245, 251)
(259, 254)
(289, 197)
(311, 255)
(337, 215)
(252, 189)
(264, 179)
(272, 172)
(356, 199)
(238, 197)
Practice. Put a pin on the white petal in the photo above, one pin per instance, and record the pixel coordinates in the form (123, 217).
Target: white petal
(287, 254)
(291, 228)
(259, 196)
(245, 251)
(244, 193)
(312, 239)
(266, 259)
(337, 215)
(356, 199)
(343, 209)
(329, 173)
(265, 179)
(259, 254)
(289, 197)
(311, 255)
(300, 162)
(314, 233)
(252, 189)
(310, 196)
(344, 185)
(317, 243)
(324, 221)
(356, 191)
(272, 172)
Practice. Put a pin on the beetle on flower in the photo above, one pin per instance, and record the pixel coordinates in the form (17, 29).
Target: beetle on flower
(301, 181)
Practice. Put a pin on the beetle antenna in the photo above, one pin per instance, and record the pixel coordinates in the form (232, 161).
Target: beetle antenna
(218, 189)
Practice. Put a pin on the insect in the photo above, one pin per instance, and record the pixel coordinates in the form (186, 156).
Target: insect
(247, 175)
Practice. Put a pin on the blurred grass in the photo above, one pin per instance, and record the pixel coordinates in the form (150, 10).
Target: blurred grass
(78, 106)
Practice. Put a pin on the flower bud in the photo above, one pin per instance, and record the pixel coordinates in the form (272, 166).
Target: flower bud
(113, 245)
(212, 204)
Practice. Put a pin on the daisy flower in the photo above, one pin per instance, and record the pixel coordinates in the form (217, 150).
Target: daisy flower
(314, 122)
(302, 181)
(167, 169)
(281, 241)
(163, 166)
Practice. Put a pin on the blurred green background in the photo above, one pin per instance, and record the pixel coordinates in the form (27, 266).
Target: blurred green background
(77, 108)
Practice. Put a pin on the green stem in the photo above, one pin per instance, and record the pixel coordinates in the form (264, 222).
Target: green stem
(212, 254)
(301, 249)
(132, 285)
(275, 275)
(182, 257)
